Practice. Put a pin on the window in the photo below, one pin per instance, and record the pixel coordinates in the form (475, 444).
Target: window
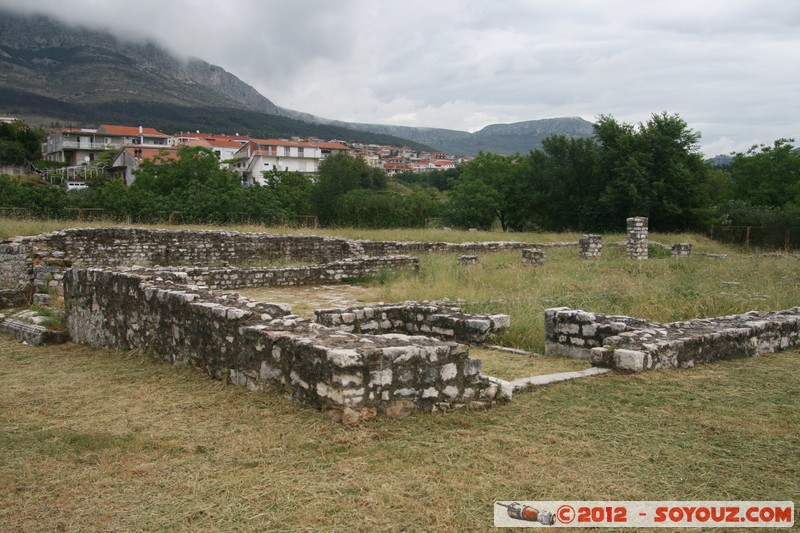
(300, 152)
(286, 150)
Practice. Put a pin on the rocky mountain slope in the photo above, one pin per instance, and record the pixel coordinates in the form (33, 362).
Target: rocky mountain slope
(79, 65)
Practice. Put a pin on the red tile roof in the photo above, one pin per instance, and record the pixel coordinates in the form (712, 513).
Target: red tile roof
(129, 131)
(141, 154)
(209, 136)
(214, 143)
(331, 145)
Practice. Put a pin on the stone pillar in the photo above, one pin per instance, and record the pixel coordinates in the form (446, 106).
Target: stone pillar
(590, 246)
(465, 260)
(683, 249)
(637, 238)
(532, 257)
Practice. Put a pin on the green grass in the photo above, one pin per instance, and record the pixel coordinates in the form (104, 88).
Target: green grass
(510, 366)
(95, 440)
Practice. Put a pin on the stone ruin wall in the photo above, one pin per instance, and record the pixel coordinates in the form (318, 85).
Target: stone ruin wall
(334, 272)
(262, 346)
(633, 344)
(42, 259)
(15, 266)
(416, 318)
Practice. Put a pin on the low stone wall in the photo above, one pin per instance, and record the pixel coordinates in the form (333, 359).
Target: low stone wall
(335, 272)
(464, 248)
(31, 333)
(573, 333)
(127, 246)
(432, 319)
(261, 346)
(636, 345)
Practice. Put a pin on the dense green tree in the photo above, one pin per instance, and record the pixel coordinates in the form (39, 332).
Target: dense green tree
(20, 143)
(340, 174)
(473, 204)
(440, 179)
(194, 184)
(767, 175)
(565, 184)
(654, 170)
(291, 190)
(503, 181)
(40, 198)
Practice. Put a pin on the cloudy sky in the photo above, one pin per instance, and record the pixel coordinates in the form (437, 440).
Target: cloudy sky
(730, 68)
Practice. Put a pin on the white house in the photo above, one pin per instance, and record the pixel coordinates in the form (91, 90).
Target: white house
(263, 155)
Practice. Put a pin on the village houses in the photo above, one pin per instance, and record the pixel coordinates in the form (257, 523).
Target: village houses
(80, 148)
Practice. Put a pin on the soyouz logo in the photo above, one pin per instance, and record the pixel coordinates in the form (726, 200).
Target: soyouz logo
(644, 514)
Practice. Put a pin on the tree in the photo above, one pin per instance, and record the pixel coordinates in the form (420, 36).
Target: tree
(565, 183)
(194, 184)
(473, 204)
(339, 174)
(291, 190)
(20, 143)
(767, 175)
(654, 170)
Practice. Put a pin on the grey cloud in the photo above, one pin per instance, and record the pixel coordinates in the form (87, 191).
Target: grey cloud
(729, 67)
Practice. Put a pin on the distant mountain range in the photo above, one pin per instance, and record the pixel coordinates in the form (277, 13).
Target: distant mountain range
(53, 73)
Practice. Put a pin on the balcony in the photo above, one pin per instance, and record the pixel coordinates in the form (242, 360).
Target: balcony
(76, 145)
(265, 153)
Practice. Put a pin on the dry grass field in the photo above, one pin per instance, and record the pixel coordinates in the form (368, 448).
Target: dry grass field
(98, 440)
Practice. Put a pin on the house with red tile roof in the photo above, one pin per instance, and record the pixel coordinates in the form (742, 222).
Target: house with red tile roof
(224, 148)
(78, 146)
(130, 158)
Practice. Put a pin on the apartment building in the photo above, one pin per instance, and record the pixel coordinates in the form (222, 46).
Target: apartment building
(78, 146)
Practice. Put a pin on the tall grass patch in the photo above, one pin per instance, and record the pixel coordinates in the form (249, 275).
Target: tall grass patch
(661, 290)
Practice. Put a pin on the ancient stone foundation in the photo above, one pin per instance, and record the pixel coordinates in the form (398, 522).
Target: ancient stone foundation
(468, 260)
(637, 238)
(261, 345)
(42, 259)
(334, 272)
(632, 344)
